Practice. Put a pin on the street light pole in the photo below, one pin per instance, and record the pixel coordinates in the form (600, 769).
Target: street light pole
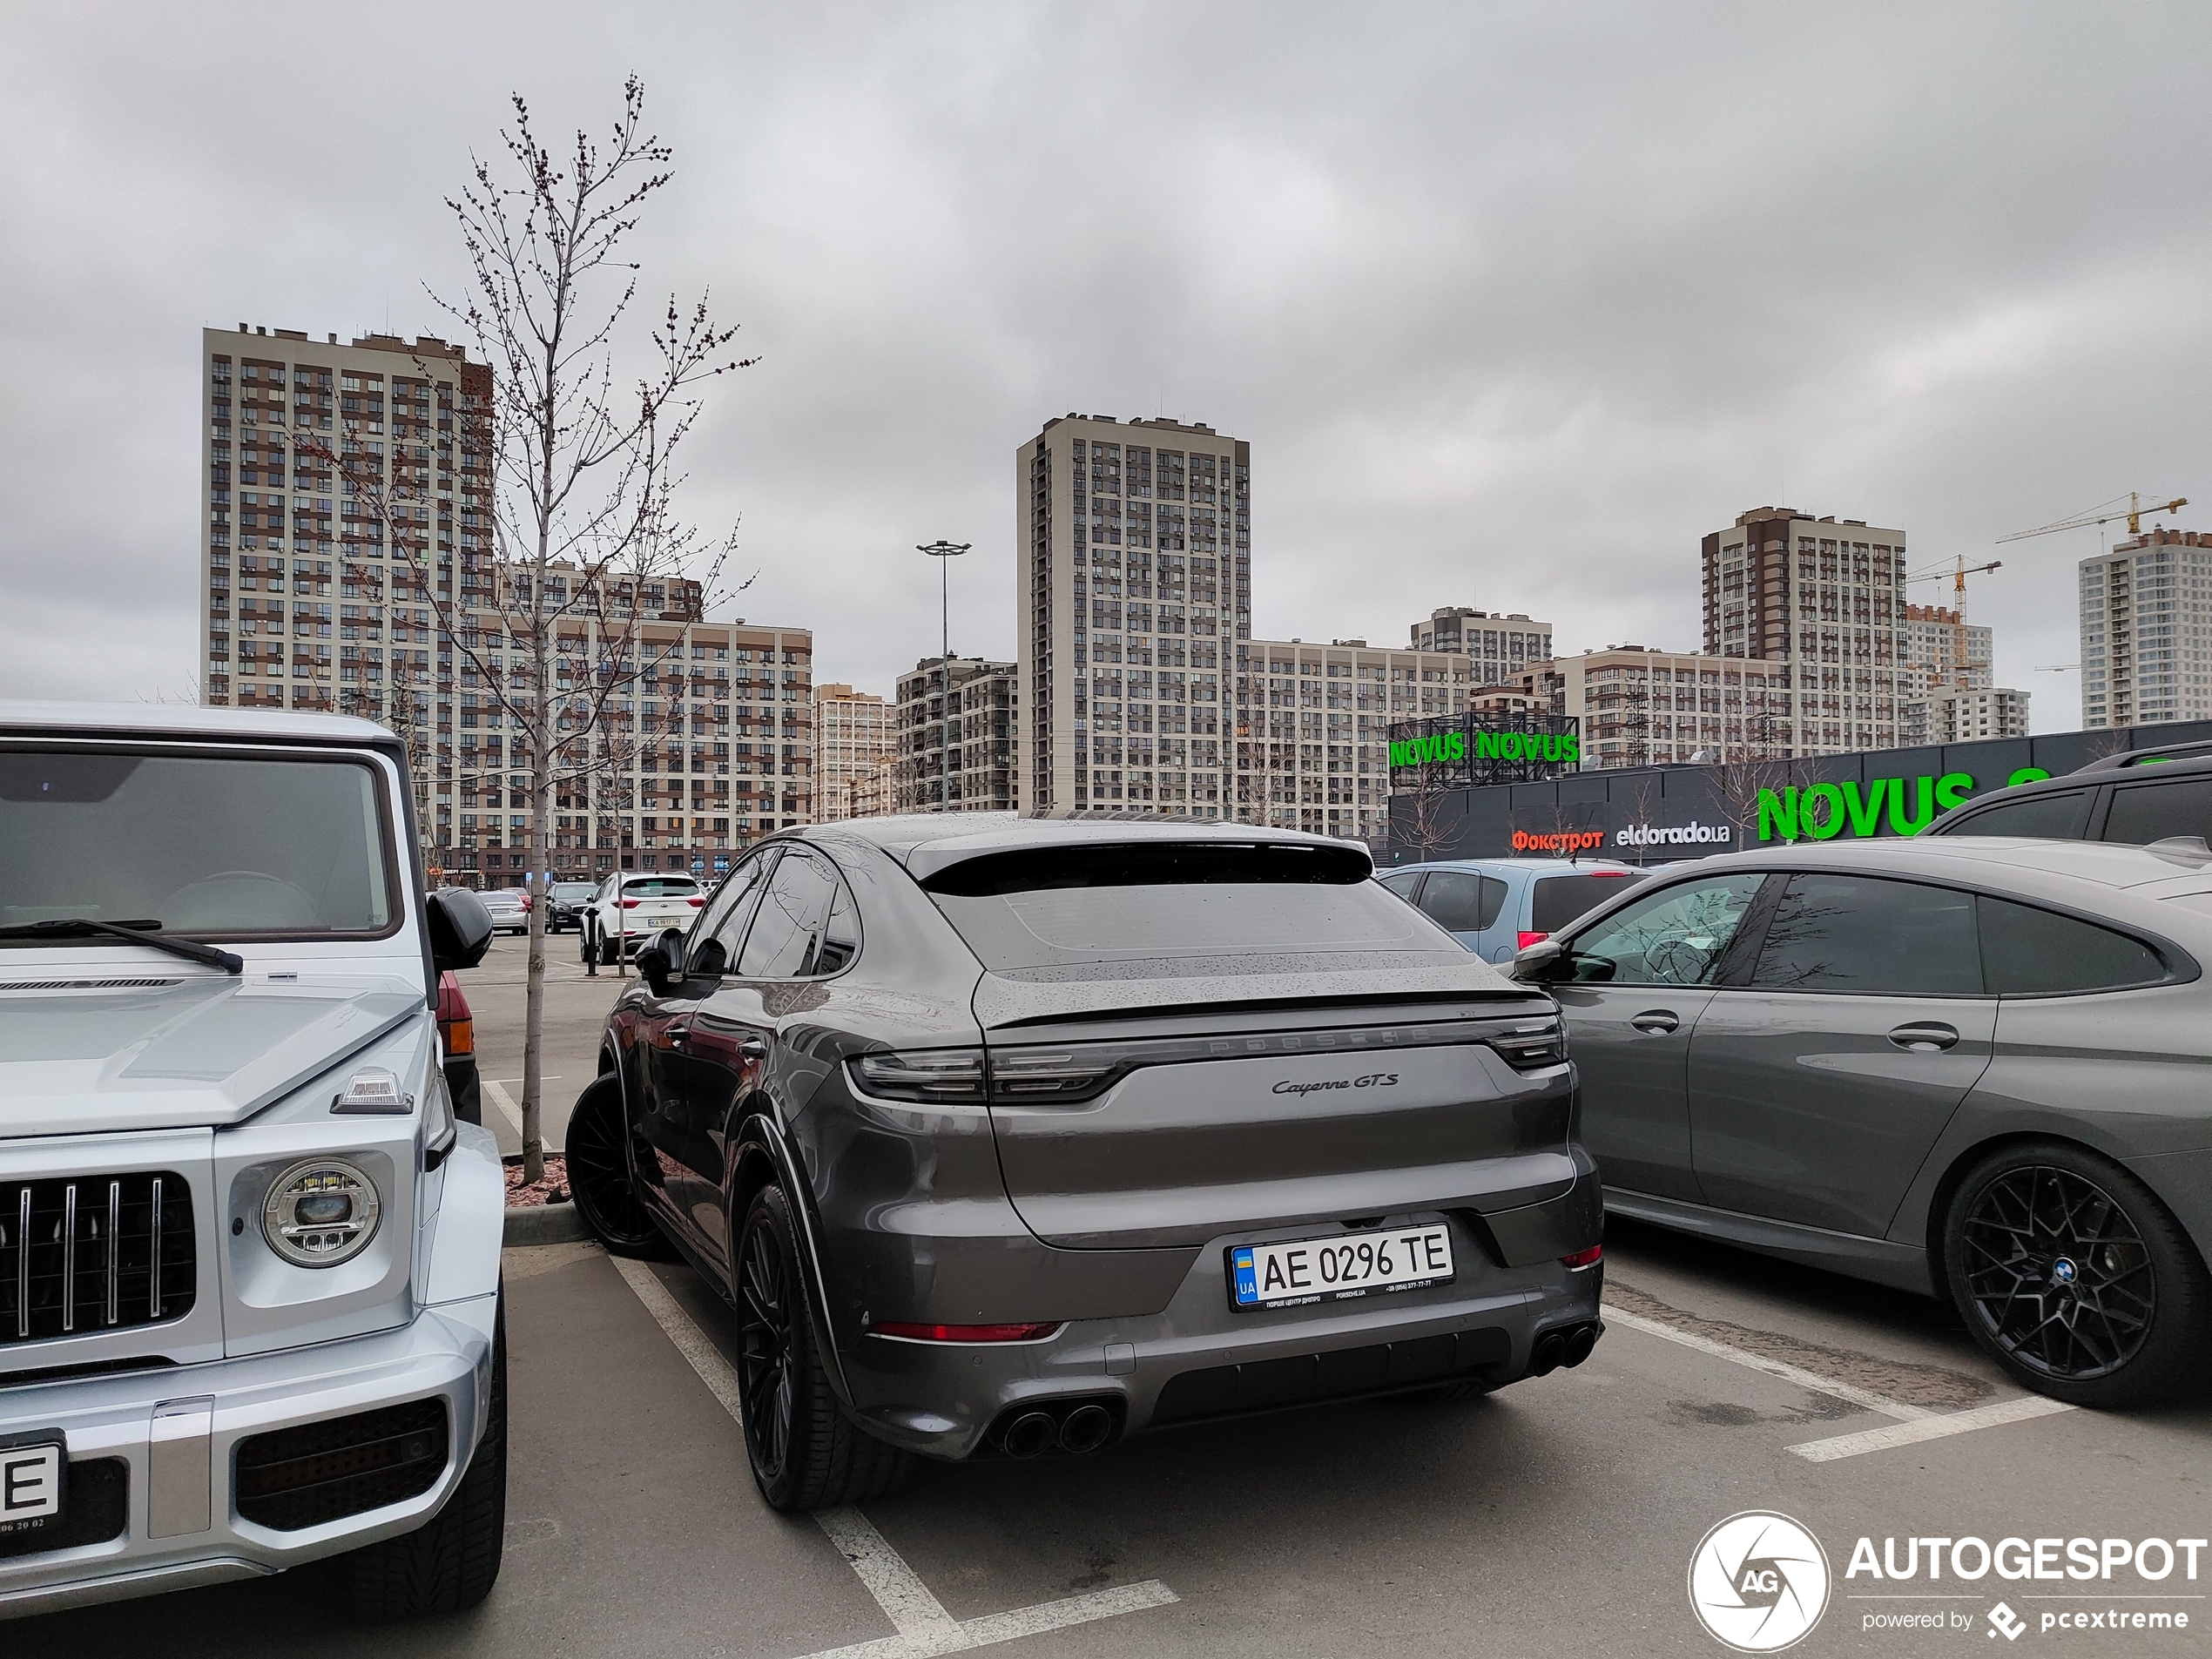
(945, 552)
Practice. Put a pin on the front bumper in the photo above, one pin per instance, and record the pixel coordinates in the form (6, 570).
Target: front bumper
(1200, 1357)
(446, 1353)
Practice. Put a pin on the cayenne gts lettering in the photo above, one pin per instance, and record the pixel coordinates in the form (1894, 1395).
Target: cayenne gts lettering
(1372, 1080)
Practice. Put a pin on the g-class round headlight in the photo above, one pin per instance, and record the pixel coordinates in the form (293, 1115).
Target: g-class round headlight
(319, 1213)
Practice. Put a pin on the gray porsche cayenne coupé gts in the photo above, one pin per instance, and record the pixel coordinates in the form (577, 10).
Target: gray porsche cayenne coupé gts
(1008, 1137)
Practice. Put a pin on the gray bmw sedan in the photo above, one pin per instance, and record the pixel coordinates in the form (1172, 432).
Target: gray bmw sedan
(1008, 1137)
(1980, 1068)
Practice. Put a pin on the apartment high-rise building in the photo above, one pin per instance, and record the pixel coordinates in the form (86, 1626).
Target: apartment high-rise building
(1943, 652)
(1146, 692)
(1954, 715)
(1638, 706)
(310, 600)
(1499, 645)
(853, 738)
(1133, 563)
(1825, 596)
(2146, 630)
(982, 771)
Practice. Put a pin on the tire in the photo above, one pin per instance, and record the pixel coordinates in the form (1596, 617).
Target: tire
(609, 949)
(2075, 1278)
(804, 1452)
(449, 1564)
(600, 1181)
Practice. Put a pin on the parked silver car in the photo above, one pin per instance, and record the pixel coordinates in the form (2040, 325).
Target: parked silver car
(1975, 1068)
(509, 908)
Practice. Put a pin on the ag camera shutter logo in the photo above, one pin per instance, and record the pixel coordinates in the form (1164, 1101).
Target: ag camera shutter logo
(1758, 1582)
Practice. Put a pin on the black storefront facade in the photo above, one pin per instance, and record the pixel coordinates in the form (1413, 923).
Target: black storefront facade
(1659, 814)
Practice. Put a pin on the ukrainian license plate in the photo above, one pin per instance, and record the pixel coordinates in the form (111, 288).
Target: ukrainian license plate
(30, 1484)
(1328, 1270)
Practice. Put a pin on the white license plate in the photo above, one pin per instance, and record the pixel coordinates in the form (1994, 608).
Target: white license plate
(1327, 1269)
(30, 1485)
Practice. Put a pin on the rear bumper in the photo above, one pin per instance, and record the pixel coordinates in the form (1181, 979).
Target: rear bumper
(445, 1354)
(1202, 1358)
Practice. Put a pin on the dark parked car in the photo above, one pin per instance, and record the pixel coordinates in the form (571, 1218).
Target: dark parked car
(1976, 1068)
(1007, 1137)
(2140, 796)
(566, 901)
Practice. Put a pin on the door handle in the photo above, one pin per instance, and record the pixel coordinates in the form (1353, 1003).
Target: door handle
(1657, 1022)
(1925, 1039)
(752, 1049)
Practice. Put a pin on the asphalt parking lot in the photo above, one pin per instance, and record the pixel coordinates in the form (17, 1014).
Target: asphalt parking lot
(1558, 1517)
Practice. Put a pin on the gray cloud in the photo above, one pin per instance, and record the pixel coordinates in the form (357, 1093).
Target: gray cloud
(1513, 303)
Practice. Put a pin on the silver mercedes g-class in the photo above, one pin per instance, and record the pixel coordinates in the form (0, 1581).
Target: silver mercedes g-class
(249, 1261)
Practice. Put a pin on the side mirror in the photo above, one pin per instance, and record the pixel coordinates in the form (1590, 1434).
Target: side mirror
(708, 959)
(661, 963)
(460, 928)
(1542, 960)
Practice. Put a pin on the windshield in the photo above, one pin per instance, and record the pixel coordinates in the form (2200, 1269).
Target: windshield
(202, 844)
(1084, 904)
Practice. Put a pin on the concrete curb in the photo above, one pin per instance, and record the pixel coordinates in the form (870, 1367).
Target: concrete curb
(546, 1223)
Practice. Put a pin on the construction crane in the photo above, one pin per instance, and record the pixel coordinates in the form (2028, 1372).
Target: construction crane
(1959, 572)
(2105, 515)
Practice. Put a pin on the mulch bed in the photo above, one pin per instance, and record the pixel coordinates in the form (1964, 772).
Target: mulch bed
(554, 1189)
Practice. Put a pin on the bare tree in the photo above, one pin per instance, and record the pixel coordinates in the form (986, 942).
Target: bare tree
(577, 467)
(1741, 782)
(1424, 819)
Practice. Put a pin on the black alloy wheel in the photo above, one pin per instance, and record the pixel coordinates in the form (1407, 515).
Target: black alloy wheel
(599, 1178)
(804, 1452)
(2075, 1278)
(764, 1357)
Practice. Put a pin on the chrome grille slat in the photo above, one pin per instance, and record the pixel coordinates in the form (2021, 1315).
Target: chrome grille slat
(71, 1264)
(69, 1257)
(23, 1268)
(114, 1245)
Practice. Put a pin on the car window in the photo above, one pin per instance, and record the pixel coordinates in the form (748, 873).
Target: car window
(787, 930)
(2027, 951)
(1851, 933)
(1461, 900)
(1561, 899)
(2141, 813)
(658, 887)
(1403, 883)
(1676, 936)
(281, 846)
(1058, 906)
(728, 906)
(2060, 817)
(842, 938)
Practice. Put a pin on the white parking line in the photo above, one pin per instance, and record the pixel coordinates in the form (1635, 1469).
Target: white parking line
(1930, 1428)
(920, 1621)
(505, 1103)
(1915, 1423)
(1781, 1369)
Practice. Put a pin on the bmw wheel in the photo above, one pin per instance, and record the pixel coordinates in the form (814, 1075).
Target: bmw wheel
(600, 1181)
(804, 1452)
(2075, 1278)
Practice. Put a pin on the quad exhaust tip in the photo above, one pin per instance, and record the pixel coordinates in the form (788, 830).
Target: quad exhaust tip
(1568, 1346)
(1087, 1428)
(1029, 1434)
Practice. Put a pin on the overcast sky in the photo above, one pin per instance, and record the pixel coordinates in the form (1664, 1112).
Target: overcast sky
(1513, 303)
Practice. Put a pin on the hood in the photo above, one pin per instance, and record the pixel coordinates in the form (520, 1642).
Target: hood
(195, 1050)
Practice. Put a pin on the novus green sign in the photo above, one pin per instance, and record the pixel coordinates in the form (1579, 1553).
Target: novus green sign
(1561, 748)
(1821, 811)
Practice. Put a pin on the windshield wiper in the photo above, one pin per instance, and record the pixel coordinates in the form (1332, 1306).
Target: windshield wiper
(139, 933)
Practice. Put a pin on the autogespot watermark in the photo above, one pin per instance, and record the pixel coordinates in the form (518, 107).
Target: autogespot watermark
(1758, 1581)
(2144, 1584)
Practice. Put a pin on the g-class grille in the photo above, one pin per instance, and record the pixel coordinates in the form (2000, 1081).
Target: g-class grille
(80, 1254)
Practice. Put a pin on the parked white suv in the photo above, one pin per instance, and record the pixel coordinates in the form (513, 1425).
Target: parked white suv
(635, 908)
(249, 1262)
